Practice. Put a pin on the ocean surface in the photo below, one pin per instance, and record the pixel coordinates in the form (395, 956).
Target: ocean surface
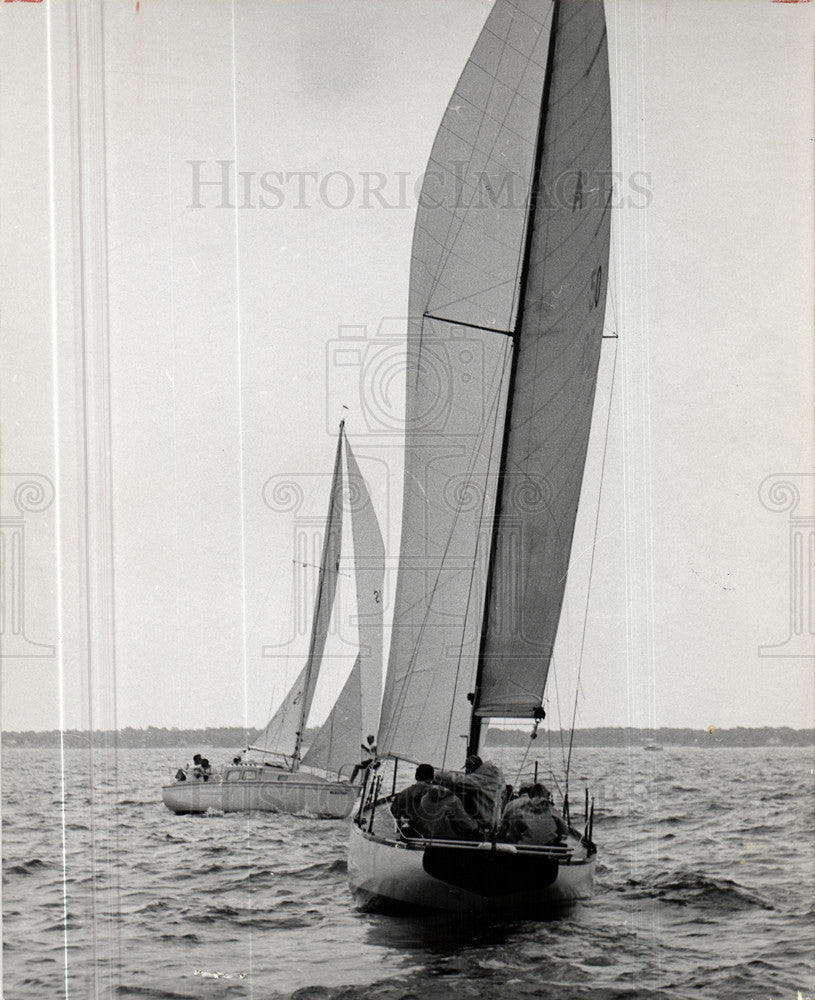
(705, 888)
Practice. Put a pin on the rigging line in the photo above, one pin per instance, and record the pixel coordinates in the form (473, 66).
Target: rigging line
(591, 565)
(308, 565)
(470, 326)
(523, 761)
(553, 671)
(611, 287)
(549, 747)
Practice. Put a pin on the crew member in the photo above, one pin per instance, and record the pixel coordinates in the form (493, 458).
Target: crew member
(368, 756)
(481, 790)
(405, 804)
(529, 819)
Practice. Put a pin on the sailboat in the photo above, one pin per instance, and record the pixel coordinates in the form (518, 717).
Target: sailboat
(507, 298)
(283, 777)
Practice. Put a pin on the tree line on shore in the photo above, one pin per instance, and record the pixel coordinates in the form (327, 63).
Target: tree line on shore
(238, 737)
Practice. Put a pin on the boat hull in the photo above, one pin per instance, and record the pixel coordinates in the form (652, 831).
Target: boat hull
(392, 876)
(257, 789)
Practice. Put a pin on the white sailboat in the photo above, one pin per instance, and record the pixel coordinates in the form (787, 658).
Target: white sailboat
(507, 299)
(283, 778)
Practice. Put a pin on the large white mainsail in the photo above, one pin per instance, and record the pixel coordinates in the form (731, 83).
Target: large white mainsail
(508, 283)
(284, 732)
(355, 714)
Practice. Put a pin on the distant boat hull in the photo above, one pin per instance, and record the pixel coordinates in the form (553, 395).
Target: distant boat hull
(387, 875)
(248, 788)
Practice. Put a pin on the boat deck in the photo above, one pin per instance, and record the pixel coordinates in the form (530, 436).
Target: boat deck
(384, 827)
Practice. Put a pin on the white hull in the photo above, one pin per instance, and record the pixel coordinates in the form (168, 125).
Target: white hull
(388, 875)
(249, 788)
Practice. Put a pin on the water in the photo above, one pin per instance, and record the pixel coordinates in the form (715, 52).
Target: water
(706, 882)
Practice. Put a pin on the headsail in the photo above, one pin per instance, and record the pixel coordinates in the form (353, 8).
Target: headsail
(280, 735)
(283, 735)
(483, 281)
(337, 745)
(355, 714)
(369, 575)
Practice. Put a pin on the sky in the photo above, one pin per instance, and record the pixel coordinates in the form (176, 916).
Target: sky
(240, 329)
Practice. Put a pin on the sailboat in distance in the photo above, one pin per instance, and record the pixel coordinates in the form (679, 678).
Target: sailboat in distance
(509, 267)
(281, 777)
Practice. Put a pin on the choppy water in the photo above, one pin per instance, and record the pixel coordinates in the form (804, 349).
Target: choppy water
(705, 887)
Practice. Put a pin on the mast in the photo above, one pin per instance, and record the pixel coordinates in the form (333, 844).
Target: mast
(336, 480)
(475, 722)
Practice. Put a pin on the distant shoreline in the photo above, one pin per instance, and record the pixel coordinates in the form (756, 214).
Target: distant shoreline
(237, 737)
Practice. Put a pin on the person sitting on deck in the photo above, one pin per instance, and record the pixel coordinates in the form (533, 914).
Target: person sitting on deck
(206, 769)
(405, 804)
(529, 819)
(197, 773)
(369, 756)
(441, 816)
(481, 790)
(425, 809)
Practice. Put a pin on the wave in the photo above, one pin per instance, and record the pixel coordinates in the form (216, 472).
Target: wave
(703, 891)
(26, 867)
(337, 866)
(127, 991)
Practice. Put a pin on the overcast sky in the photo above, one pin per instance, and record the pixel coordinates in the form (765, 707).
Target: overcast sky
(225, 317)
